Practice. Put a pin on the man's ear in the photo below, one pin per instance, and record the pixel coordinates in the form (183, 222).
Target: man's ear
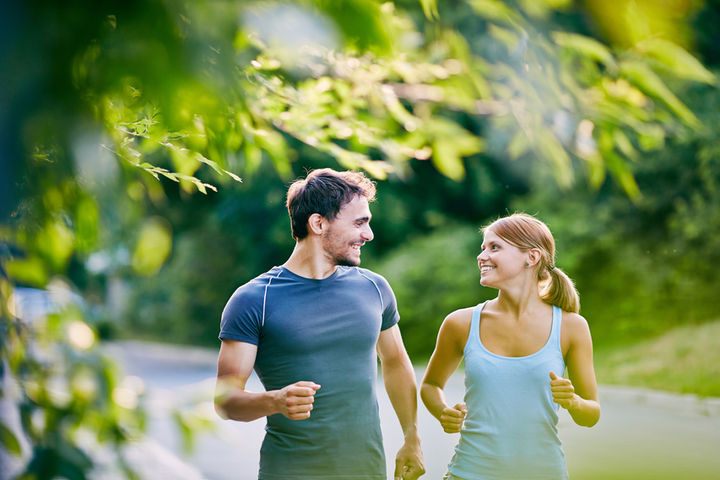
(316, 224)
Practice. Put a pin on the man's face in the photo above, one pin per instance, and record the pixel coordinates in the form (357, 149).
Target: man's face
(348, 232)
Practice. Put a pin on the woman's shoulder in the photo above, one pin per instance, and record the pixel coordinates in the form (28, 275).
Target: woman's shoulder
(457, 323)
(460, 316)
(573, 320)
(574, 326)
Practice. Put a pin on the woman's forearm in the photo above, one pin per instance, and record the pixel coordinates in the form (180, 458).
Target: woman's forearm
(585, 412)
(434, 399)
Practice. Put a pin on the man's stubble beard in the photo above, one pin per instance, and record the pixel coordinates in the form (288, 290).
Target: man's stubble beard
(340, 260)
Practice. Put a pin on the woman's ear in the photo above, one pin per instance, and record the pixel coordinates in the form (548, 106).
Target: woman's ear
(533, 257)
(316, 224)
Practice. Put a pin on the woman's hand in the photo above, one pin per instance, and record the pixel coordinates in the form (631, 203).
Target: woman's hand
(452, 418)
(563, 391)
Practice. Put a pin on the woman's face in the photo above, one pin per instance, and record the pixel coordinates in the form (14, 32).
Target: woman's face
(499, 261)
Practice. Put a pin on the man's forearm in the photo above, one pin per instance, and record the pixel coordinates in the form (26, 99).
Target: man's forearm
(401, 387)
(233, 402)
(244, 406)
(294, 401)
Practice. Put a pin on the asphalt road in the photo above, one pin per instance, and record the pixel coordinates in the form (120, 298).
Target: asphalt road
(641, 435)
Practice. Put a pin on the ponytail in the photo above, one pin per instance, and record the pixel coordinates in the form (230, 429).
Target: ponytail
(560, 290)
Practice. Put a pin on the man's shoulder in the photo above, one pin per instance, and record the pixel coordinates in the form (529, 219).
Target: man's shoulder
(376, 281)
(255, 288)
(370, 275)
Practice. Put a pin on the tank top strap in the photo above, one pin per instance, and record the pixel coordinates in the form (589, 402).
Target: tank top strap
(556, 327)
(473, 340)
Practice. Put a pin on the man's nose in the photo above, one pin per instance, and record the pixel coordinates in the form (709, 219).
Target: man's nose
(367, 234)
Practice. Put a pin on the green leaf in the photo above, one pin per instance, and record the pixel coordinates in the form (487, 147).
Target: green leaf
(622, 142)
(274, 144)
(153, 246)
(618, 168)
(596, 170)
(253, 157)
(172, 176)
(86, 221)
(542, 8)
(202, 159)
(507, 36)
(647, 80)
(446, 159)
(56, 243)
(651, 137)
(199, 184)
(360, 22)
(553, 151)
(450, 143)
(9, 441)
(430, 9)
(397, 110)
(233, 176)
(586, 46)
(31, 271)
(495, 10)
(518, 145)
(376, 168)
(183, 161)
(676, 59)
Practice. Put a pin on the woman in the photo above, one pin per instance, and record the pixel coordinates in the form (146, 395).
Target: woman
(515, 348)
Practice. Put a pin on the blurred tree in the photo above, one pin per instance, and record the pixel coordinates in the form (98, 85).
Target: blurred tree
(646, 266)
(106, 104)
(331, 113)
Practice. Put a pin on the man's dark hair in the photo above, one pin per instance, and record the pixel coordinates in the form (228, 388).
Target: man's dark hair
(324, 192)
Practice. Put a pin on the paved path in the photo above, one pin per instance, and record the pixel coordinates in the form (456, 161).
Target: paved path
(641, 435)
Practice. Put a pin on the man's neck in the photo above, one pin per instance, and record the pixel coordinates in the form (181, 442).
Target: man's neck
(310, 261)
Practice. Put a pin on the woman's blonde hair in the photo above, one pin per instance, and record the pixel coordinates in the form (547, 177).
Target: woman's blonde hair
(527, 232)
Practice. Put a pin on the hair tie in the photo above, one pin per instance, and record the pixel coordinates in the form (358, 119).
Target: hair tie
(551, 267)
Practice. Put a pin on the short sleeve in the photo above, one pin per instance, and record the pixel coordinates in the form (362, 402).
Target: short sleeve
(242, 316)
(390, 315)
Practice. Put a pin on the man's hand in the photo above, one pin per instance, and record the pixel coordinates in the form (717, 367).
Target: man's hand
(452, 418)
(296, 401)
(409, 461)
(563, 391)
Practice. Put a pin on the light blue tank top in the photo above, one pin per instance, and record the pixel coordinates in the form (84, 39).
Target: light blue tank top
(510, 431)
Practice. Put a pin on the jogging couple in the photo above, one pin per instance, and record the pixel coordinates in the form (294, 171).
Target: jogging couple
(313, 328)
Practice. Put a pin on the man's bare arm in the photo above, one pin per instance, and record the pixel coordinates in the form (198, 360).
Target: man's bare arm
(401, 387)
(232, 401)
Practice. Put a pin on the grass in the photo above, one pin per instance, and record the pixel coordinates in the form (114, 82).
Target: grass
(685, 359)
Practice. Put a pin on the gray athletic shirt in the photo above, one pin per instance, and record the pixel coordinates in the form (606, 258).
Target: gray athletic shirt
(323, 331)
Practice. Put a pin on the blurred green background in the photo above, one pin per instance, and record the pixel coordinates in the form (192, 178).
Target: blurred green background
(146, 148)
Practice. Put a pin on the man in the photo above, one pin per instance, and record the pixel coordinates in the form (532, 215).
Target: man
(313, 329)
